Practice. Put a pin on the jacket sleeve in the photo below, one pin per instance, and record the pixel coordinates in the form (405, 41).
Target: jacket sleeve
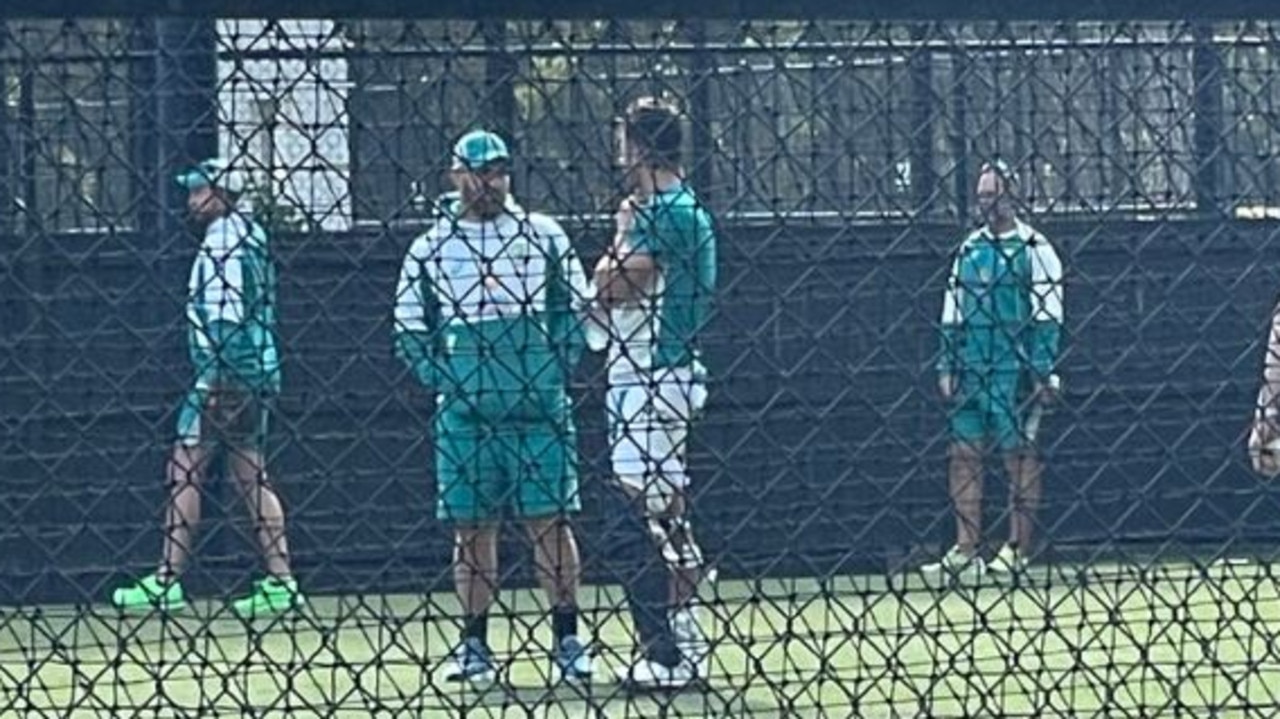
(569, 298)
(1045, 332)
(219, 302)
(416, 322)
(951, 323)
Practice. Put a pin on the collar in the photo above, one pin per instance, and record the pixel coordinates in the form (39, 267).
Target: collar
(1020, 230)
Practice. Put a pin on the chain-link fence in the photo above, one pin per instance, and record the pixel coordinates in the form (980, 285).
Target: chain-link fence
(841, 162)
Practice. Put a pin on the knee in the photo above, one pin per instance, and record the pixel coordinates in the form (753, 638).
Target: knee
(1022, 461)
(253, 485)
(471, 538)
(549, 530)
(652, 495)
(964, 452)
(186, 464)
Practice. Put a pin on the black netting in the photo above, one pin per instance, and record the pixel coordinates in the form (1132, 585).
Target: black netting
(840, 160)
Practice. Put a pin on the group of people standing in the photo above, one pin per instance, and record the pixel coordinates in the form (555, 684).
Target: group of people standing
(492, 311)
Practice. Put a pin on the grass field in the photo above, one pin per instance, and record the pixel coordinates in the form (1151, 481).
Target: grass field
(1159, 640)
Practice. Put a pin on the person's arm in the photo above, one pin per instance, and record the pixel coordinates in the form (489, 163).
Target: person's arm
(628, 269)
(1047, 314)
(569, 299)
(416, 316)
(950, 325)
(219, 296)
(1266, 416)
(1268, 405)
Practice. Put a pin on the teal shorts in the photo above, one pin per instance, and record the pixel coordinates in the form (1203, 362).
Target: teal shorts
(236, 418)
(993, 407)
(486, 471)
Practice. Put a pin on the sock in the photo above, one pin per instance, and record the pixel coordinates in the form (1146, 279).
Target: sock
(564, 622)
(477, 627)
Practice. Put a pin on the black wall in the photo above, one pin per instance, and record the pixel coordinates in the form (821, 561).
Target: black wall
(822, 451)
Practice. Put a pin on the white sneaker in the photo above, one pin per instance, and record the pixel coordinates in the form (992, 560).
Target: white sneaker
(691, 640)
(955, 566)
(1008, 562)
(648, 674)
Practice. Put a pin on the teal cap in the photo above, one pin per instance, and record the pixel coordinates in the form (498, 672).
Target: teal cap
(478, 148)
(215, 172)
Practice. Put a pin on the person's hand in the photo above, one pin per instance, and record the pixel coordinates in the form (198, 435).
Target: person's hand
(1045, 392)
(605, 272)
(602, 274)
(1262, 437)
(947, 387)
(625, 218)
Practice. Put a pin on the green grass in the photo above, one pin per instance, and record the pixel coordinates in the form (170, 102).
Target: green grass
(1116, 641)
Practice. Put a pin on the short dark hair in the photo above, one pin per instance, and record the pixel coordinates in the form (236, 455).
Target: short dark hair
(654, 125)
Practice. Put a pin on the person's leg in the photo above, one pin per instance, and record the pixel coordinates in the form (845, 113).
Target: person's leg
(185, 473)
(635, 535)
(542, 458)
(556, 557)
(968, 425)
(555, 553)
(1019, 425)
(475, 576)
(964, 482)
(684, 554)
(242, 424)
(184, 478)
(544, 463)
(1025, 472)
(248, 468)
(679, 401)
(469, 486)
(648, 580)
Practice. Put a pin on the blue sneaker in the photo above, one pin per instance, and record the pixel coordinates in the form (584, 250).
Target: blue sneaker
(471, 662)
(572, 660)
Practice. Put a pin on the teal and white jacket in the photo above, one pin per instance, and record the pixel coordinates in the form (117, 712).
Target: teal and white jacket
(491, 313)
(231, 308)
(1003, 306)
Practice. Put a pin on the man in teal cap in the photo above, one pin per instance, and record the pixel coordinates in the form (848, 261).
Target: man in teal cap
(231, 328)
(488, 317)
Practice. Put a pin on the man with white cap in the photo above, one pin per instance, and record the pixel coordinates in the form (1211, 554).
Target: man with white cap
(231, 327)
(488, 316)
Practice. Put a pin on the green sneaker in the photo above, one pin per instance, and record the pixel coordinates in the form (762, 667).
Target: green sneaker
(150, 594)
(269, 596)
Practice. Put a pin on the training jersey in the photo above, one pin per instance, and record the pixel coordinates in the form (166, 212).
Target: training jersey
(490, 311)
(1003, 309)
(231, 307)
(660, 331)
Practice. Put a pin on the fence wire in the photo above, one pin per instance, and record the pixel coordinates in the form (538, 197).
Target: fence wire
(839, 165)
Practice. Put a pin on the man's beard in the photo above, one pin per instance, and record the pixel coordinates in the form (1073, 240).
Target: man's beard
(200, 219)
(487, 205)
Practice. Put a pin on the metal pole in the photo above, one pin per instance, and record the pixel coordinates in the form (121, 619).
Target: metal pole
(924, 179)
(960, 134)
(1206, 70)
(500, 71)
(185, 97)
(8, 200)
(699, 113)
